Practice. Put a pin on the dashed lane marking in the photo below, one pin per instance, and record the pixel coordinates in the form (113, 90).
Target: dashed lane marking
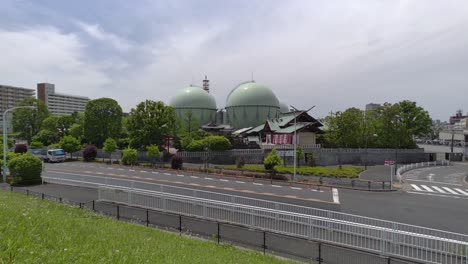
(167, 173)
(224, 180)
(296, 188)
(277, 186)
(142, 171)
(240, 182)
(207, 178)
(155, 172)
(194, 177)
(131, 170)
(336, 198)
(257, 183)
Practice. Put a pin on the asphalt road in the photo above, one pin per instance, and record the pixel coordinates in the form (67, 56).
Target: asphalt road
(405, 206)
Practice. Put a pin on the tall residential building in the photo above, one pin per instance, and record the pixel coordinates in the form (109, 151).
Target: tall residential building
(372, 106)
(9, 97)
(60, 104)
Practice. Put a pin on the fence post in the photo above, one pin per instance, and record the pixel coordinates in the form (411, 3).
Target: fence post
(81, 205)
(27, 192)
(180, 225)
(264, 243)
(60, 199)
(11, 188)
(147, 217)
(218, 236)
(369, 185)
(118, 212)
(319, 258)
(383, 185)
(42, 196)
(94, 206)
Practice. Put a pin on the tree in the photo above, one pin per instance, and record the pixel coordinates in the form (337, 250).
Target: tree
(36, 145)
(299, 154)
(130, 156)
(149, 122)
(110, 146)
(64, 124)
(70, 145)
(345, 129)
(272, 160)
(46, 137)
(152, 151)
(90, 153)
(102, 120)
(217, 143)
(27, 122)
(50, 123)
(196, 145)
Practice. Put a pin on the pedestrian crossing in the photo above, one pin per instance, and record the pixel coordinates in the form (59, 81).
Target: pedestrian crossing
(438, 189)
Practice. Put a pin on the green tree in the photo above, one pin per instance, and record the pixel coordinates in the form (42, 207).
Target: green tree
(70, 145)
(36, 145)
(196, 145)
(64, 124)
(345, 129)
(149, 122)
(130, 156)
(272, 160)
(299, 154)
(27, 122)
(110, 146)
(46, 137)
(50, 123)
(152, 151)
(102, 120)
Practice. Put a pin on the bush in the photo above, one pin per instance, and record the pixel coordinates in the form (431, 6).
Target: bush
(153, 152)
(129, 156)
(36, 145)
(176, 162)
(217, 143)
(55, 146)
(90, 153)
(272, 160)
(25, 169)
(196, 145)
(70, 144)
(21, 148)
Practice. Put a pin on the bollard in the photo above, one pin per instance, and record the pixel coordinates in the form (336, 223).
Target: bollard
(264, 243)
(118, 212)
(147, 217)
(218, 236)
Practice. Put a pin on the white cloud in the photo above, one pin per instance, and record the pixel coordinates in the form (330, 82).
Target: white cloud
(97, 32)
(44, 54)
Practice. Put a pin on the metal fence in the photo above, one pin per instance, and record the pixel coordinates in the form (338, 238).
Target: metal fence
(374, 235)
(222, 232)
(413, 166)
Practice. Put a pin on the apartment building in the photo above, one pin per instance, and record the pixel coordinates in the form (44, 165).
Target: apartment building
(10, 96)
(60, 104)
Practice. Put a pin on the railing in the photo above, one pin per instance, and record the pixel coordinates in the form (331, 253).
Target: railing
(413, 166)
(289, 146)
(385, 237)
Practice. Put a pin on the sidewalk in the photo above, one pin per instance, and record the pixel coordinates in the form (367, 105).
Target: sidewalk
(377, 173)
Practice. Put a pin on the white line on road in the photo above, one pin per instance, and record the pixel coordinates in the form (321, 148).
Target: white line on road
(155, 172)
(167, 173)
(207, 178)
(240, 182)
(120, 169)
(450, 190)
(180, 175)
(194, 184)
(438, 189)
(427, 188)
(439, 195)
(461, 191)
(433, 182)
(142, 171)
(149, 178)
(228, 188)
(290, 196)
(211, 186)
(131, 170)
(110, 168)
(416, 187)
(336, 198)
(223, 180)
(296, 188)
(257, 183)
(195, 177)
(276, 186)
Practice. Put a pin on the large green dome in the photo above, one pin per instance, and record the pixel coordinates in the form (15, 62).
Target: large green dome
(193, 97)
(251, 104)
(251, 93)
(195, 100)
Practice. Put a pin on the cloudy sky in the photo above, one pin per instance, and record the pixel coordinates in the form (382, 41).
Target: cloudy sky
(332, 54)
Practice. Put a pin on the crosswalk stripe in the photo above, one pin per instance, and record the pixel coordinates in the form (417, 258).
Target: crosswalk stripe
(427, 188)
(450, 190)
(438, 189)
(461, 191)
(416, 187)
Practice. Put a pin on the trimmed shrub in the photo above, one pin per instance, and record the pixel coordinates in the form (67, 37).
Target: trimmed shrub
(21, 148)
(25, 169)
(90, 153)
(152, 151)
(217, 143)
(176, 162)
(36, 145)
(129, 156)
(196, 145)
(272, 160)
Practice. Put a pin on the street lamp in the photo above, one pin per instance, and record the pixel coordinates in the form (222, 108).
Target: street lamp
(295, 137)
(5, 142)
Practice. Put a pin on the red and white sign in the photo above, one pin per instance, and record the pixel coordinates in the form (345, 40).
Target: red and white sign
(389, 162)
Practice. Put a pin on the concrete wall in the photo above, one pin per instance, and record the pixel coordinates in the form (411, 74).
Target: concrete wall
(307, 138)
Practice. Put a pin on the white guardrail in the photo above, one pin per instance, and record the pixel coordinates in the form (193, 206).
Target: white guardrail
(413, 166)
(385, 237)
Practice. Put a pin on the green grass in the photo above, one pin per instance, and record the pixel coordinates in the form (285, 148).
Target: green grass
(36, 231)
(347, 172)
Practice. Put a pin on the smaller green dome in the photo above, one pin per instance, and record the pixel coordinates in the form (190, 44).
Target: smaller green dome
(252, 94)
(284, 108)
(193, 97)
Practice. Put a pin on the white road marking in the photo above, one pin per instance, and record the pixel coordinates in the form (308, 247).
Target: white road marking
(336, 198)
(195, 177)
(142, 171)
(240, 182)
(194, 184)
(180, 175)
(439, 195)
(110, 168)
(211, 186)
(167, 173)
(207, 178)
(427, 188)
(223, 180)
(450, 190)
(228, 188)
(416, 187)
(296, 188)
(438, 189)
(149, 178)
(435, 182)
(276, 186)
(131, 170)
(290, 196)
(136, 177)
(257, 183)
(461, 191)
(155, 172)
(120, 169)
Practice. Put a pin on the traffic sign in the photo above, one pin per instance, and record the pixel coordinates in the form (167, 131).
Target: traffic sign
(389, 162)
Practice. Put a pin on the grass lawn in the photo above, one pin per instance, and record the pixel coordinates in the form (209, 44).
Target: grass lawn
(36, 231)
(346, 172)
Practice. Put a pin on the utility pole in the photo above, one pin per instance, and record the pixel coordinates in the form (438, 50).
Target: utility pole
(295, 137)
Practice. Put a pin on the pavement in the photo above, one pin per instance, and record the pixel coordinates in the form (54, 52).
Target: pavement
(377, 173)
